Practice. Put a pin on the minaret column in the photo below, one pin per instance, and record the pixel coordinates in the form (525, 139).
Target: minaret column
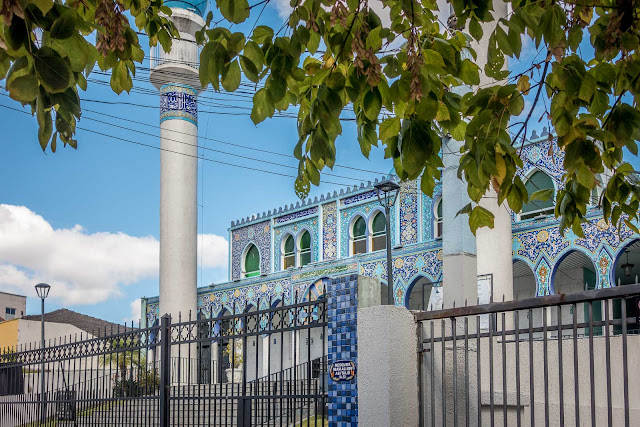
(175, 75)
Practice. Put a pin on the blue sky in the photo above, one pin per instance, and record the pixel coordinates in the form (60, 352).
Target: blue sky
(87, 220)
(110, 189)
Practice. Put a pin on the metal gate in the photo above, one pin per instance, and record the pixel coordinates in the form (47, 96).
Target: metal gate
(555, 360)
(265, 366)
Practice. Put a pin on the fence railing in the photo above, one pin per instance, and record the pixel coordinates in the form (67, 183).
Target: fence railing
(555, 360)
(167, 374)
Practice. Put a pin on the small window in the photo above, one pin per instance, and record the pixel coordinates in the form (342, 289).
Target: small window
(252, 262)
(359, 236)
(538, 181)
(289, 259)
(594, 199)
(379, 227)
(305, 249)
(9, 313)
(437, 221)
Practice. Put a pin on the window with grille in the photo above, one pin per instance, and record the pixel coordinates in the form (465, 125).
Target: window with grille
(305, 249)
(379, 227)
(359, 233)
(437, 222)
(538, 181)
(9, 313)
(252, 262)
(289, 255)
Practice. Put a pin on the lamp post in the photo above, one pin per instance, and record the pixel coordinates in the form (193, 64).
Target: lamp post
(387, 192)
(42, 289)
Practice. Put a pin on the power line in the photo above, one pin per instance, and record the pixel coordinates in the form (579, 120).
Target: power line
(182, 154)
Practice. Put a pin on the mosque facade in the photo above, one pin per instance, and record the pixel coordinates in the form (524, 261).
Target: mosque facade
(289, 254)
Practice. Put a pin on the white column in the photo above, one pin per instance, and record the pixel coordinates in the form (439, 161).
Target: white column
(175, 75)
(178, 215)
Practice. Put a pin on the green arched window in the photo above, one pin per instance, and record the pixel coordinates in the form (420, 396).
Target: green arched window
(379, 227)
(538, 181)
(252, 262)
(305, 248)
(359, 233)
(289, 254)
(437, 220)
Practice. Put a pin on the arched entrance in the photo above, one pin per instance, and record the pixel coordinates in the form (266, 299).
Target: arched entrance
(626, 271)
(418, 296)
(525, 287)
(576, 273)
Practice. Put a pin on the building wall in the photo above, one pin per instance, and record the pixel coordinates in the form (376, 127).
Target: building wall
(8, 334)
(17, 302)
(29, 332)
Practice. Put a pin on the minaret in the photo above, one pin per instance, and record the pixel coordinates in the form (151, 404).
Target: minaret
(175, 75)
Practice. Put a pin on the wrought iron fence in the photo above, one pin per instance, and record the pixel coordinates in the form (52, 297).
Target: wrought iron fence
(257, 367)
(554, 360)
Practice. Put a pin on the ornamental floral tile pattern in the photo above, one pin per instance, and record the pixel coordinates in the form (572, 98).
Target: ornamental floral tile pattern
(153, 314)
(213, 303)
(409, 213)
(260, 235)
(604, 264)
(295, 229)
(427, 212)
(365, 210)
(407, 268)
(543, 274)
(329, 231)
(544, 155)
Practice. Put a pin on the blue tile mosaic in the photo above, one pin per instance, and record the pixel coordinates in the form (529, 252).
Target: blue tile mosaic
(342, 309)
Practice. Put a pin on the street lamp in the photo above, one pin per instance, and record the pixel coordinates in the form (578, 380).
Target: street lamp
(387, 192)
(42, 289)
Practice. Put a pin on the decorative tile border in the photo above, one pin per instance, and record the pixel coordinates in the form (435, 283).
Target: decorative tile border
(178, 102)
(357, 198)
(329, 231)
(409, 213)
(296, 215)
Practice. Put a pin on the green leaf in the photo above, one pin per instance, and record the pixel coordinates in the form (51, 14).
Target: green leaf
(54, 72)
(65, 26)
(585, 177)
(120, 78)
(165, 40)
(24, 88)
(262, 106)
(475, 29)
(372, 103)
(389, 128)
(231, 80)
(44, 5)
(236, 11)
(261, 34)
(44, 132)
(480, 217)
(542, 195)
(314, 42)
(469, 72)
(516, 104)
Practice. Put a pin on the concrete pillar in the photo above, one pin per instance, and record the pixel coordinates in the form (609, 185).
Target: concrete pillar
(459, 270)
(388, 367)
(175, 75)
(494, 248)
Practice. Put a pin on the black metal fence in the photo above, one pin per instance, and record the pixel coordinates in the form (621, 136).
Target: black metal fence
(259, 367)
(555, 360)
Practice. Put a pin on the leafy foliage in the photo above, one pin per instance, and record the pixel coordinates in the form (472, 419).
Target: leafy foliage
(411, 83)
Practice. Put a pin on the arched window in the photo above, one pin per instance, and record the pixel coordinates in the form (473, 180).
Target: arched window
(437, 220)
(538, 181)
(305, 248)
(252, 262)
(289, 253)
(379, 228)
(359, 233)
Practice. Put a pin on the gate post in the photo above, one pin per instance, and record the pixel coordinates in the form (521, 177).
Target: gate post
(165, 369)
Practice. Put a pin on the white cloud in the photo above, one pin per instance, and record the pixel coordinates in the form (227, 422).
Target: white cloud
(284, 10)
(136, 312)
(85, 268)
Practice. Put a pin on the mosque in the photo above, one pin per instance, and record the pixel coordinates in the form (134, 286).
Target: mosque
(289, 253)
